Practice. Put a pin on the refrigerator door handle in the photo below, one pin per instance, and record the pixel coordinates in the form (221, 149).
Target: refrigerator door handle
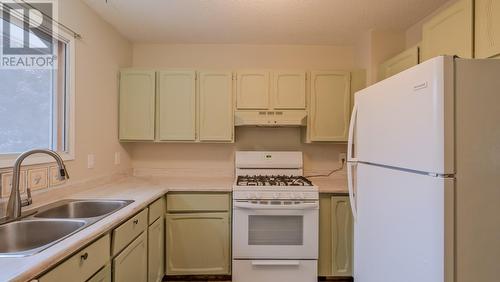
(352, 193)
(350, 140)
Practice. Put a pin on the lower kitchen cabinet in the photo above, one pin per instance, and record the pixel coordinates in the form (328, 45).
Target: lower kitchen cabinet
(335, 236)
(131, 265)
(156, 248)
(104, 275)
(197, 243)
(198, 234)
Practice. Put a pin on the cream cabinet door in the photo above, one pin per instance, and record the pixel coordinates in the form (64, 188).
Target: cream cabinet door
(198, 243)
(156, 250)
(176, 106)
(104, 275)
(399, 63)
(449, 32)
(325, 264)
(335, 236)
(131, 265)
(330, 106)
(342, 236)
(487, 25)
(289, 90)
(252, 90)
(216, 106)
(137, 105)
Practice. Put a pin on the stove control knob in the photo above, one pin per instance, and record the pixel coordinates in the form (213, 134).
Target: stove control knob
(251, 196)
(276, 195)
(300, 195)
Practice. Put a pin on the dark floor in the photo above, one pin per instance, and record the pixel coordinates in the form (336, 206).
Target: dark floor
(227, 278)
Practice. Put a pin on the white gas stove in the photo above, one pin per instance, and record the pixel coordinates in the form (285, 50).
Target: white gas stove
(275, 219)
(272, 175)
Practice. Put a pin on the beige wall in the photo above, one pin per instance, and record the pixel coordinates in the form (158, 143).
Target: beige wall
(99, 56)
(243, 56)
(221, 156)
(376, 46)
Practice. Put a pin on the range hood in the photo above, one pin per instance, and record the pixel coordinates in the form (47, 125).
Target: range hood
(285, 118)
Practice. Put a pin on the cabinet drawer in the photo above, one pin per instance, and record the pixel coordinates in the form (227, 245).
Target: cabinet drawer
(197, 202)
(156, 209)
(128, 231)
(83, 264)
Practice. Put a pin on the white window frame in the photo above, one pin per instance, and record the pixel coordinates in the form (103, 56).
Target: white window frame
(7, 160)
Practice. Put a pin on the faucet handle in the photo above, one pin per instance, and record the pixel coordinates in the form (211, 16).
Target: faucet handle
(28, 201)
(63, 173)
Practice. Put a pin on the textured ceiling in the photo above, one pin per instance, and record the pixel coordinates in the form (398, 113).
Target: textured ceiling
(338, 22)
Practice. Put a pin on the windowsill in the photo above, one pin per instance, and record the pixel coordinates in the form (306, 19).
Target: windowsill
(38, 159)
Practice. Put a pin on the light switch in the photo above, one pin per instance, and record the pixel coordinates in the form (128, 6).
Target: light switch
(117, 158)
(38, 178)
(54, 175)
(90, 161)
(7, 183)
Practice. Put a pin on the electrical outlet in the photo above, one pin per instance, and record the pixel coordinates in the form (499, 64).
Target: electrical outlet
(90, 161)
(342, 158)
(117, 158)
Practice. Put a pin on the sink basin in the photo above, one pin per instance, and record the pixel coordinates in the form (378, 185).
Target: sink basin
(83, 209)
(26, 237)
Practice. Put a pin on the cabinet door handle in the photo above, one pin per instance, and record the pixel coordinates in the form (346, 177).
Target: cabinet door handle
(85, 256)
(136, 221)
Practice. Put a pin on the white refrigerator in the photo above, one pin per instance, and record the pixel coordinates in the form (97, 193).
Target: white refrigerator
(424, 174)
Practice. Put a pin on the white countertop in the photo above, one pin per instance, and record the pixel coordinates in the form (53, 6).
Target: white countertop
(143, 190)
(335, 183)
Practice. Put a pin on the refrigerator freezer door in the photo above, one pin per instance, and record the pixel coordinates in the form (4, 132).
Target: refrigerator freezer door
(404, 226)
(406, 121)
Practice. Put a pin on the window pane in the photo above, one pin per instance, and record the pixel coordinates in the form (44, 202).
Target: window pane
(32, 99)
(25, 109)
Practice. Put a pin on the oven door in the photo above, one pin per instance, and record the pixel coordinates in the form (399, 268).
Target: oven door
(275, 230)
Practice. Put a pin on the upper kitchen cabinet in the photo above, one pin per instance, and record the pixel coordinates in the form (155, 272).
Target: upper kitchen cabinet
(487, 28)
(275, 98)
(450, 32)
(176, 106)
(216, 122)
(330, 106)
(289, 90)
(137, 105)
(252, 90)
(399, 63)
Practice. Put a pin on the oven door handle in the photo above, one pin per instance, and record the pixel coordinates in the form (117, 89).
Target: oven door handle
(275, 262)
(302, 206)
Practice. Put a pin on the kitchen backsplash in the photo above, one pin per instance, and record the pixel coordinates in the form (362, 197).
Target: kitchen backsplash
(36, 178)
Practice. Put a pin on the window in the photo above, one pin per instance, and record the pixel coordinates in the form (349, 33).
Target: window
(35, 93)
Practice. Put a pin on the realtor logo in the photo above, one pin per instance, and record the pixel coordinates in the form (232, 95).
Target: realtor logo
(27, 34)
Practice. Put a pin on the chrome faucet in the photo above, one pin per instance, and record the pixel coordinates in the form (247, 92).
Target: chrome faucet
(15, 203)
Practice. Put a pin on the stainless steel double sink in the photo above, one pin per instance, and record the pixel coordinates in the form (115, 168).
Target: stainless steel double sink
(47, 225)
